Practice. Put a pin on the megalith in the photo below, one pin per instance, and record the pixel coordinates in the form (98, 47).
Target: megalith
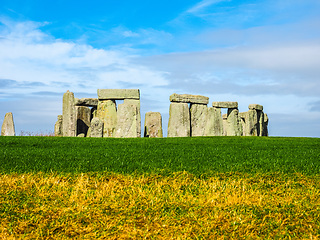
(135, 102)
(69, 115)
(254, 120)
(214, 124)
(118, 94)
(107, 113)
(243, 119)
(225, 123)
(127, 121)
(179, 120)
(87, 102)
(265, 125)
(188, 98)
(153, 125)
(198, 119)
(7, 128)
(234, 127)
(83, 115)
(58, 127)
(96, 128)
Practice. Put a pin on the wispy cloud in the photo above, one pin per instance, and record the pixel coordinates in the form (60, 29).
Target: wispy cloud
(202, 5)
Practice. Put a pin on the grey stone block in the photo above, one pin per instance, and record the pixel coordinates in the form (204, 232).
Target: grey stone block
(187, 98)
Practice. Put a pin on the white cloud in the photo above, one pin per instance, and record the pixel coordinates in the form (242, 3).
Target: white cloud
(202, 5)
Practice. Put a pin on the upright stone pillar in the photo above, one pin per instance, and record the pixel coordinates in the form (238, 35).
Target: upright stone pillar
(214, 125)
(254, 116)
(83, 115)
(107, 113)
(7, 128)
(265, 125)
(179, 120)
(96, 128)
(199, 115)
(225, 124)
(58, 127)
(234, 127)
(153, 125)
(127, 123)
(243, 117)
(135, 102)
(69, 115)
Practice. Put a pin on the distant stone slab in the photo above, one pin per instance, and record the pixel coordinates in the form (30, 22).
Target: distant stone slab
(225, 104)
(96, 128)
(187, 98)
(88, 102)
(255, 107)
(118, 94)
(7, 128)
(179, 120)
(153, 125)
(58, 127)
(198, 119)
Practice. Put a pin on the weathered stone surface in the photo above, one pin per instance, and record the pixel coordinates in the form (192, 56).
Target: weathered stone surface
(83, 115)
(153, 125)
(255, 107)
(214, 125)
(225, 123)
(187, 98)
(69, 115)
(198, 118)
(81, 135)
(107, 113)
(225, 104)
(252, 123)
(136, 103)
(265, 125)
(118, 94)
(58, 127)
(96, 128)
(88, 102)
(179, 120)
(127, 115)
(7, 128)
(243, 118)
(234, 127)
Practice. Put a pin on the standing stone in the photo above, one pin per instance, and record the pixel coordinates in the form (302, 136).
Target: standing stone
(96, 128)
(153, 125)
(243, 117)
(214, 125)
(198, 118)
(225, 124)
(69, 115)
(135, 102)
(179, 120)
(107, 113)
(7, 128)
(234, 127)
(127, 122)
(265, 125)
(252, 123)
(261, 121)
(83, 120)
(58, 127)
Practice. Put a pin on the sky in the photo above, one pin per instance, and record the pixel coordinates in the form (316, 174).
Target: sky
(265, 52)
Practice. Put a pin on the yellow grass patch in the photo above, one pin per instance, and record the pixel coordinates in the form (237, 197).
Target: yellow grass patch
(181, 206)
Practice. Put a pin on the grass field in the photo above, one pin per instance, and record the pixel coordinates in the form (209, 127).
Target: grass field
(170, 188)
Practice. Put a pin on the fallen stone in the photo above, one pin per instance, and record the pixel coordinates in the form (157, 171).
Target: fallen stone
(81, 135)
(7, 128)
(214, 125)
(107, 113)
(179, 120)
(225, 104)
(198, 118)
(255, 107)
(118, 94)
(58, 127)
(88, 102)
(234, 127)
(83, 115)
(127, 122)
(187, 98)
(96, 128)
(153, 125)
(69, 115)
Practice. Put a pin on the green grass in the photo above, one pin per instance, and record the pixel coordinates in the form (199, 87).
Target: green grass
(201, 156)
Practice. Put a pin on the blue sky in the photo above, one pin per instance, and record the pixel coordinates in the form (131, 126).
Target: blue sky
(265, 52)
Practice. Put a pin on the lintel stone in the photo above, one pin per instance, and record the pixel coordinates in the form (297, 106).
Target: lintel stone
(188, 98)
(225, 104)
(118, 94)
(87, 102)
(255, 107)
